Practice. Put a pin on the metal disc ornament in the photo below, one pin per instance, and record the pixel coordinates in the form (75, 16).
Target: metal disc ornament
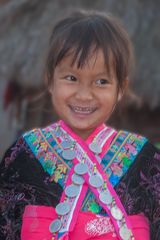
(124, 232)
(76, 179)
(55, 226)
(62, 208)
(72, 191)
(116, 213)
(95, 148)
(105, 197)
(95, 181)
(81, 168)
(66, 144)
(68, 154)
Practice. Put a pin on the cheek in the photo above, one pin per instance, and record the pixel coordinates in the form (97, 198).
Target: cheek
(59, 96)
(56, 97)
(108, 99)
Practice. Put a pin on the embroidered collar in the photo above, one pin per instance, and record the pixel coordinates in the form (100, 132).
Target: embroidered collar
(49, 141)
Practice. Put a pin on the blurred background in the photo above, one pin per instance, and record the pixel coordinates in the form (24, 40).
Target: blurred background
(25, 27)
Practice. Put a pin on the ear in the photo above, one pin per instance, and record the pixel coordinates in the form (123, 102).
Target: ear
(50, 89)
(119, 96)
(123, 89)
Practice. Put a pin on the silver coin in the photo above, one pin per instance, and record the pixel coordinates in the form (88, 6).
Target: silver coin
(95, 181)
(62, 208)
(81, 168)
(95, 148)
(124, 232)
(66, 144)
(72, 191)
(116, 213)
(105, 197)
(76, 179)
(55, 226)
(68, 154)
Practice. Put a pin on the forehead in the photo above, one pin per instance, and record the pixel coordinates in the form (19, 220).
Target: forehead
(94, 61)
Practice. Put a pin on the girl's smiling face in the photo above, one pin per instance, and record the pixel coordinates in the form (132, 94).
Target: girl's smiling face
(84, 97)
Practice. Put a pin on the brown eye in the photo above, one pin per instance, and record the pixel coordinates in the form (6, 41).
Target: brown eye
(101, 81)
(70, 78)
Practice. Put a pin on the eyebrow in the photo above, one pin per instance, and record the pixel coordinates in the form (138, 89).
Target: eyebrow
(70, 68)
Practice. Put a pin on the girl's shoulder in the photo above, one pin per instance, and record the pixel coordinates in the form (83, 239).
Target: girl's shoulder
(39, 134)
(129, 141)
(134, 146)
(21, 151)
(26, 142)
(22, 161)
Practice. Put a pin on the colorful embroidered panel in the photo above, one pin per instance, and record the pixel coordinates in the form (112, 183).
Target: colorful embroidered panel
(115, 162)
(47, 150)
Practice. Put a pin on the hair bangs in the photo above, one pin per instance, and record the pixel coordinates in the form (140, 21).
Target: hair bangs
(80, 43)
(83, 41)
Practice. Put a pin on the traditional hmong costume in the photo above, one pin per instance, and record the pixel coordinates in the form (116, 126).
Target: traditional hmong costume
(54, 185)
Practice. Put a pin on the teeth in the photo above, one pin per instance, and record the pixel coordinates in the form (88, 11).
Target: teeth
(83, 109)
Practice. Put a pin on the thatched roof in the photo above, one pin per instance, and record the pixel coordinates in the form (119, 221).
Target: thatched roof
(26, 26)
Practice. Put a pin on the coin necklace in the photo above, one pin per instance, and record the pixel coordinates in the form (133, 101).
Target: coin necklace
(105, 196)
(94, 147)
(68, 152)
(95, 180)
(71, 191)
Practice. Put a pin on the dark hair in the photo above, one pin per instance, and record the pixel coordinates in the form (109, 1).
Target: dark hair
(84, 31)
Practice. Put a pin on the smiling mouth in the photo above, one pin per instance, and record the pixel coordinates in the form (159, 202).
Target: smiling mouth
(83, 110)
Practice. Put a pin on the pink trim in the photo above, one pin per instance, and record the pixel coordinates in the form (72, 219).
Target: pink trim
(75, 136)
(86, 177)
(94, 133)
(78, 201)
(34, 211)
(107, 144)
(85, 144)
(36, 221)
(82, 143)
(111, 189)
(84, 188)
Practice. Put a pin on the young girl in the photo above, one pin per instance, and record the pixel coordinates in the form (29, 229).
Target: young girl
(79, 178)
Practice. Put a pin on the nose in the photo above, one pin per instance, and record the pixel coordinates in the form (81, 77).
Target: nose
(84, 93)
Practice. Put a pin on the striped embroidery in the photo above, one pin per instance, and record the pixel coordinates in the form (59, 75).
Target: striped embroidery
(116, 162)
